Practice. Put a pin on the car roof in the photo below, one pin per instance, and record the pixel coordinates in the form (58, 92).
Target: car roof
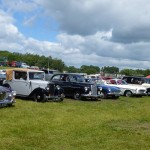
(9, 72)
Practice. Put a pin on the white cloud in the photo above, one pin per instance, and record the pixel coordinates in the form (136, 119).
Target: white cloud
(18, 5)
(102, 33)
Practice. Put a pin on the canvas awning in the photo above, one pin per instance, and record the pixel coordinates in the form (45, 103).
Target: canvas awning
(9, 72)
(148, 76)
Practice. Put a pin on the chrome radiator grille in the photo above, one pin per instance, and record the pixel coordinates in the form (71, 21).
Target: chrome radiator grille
(94, 89)
(141, 91)
(51, 88)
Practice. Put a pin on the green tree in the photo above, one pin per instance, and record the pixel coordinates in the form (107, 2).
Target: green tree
(89, 69)
(72, 69)
(108, 69)
(58, 64)
(127, 72)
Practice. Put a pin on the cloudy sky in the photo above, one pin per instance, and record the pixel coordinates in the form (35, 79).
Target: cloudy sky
(79, 32)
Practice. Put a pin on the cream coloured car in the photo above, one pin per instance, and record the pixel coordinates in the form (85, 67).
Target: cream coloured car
(127, 89)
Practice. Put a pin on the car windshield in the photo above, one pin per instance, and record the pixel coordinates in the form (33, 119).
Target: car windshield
(36, 75)
(77, 78)
(80, 79)
(100, 82)
(2, 76)
(146, 80)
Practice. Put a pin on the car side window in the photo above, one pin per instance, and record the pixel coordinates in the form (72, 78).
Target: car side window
(112, 82)
(64, 78)
(73, 78)
(20, 75)
(56, 78)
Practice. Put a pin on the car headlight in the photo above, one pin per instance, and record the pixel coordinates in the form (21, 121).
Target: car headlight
(85, 88)
(13, 93)
(47, 88)
(109, 89)
(100, 88)
(58, 87)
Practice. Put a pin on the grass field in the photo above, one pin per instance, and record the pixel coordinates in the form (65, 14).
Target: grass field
(76, 125)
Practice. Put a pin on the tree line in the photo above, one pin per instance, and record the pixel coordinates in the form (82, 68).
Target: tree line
(58, 64)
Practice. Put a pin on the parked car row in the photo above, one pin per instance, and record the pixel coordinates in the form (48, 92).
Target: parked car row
(107, 91)
(31, 83)
(116, 87)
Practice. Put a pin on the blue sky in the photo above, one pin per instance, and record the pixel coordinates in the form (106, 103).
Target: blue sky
(81, 32)
(40, 27)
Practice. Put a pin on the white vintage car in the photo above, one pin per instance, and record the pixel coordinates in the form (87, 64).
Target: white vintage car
(31, 83)
(127, 89)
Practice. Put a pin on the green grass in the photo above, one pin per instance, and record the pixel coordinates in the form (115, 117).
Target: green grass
(77, 125)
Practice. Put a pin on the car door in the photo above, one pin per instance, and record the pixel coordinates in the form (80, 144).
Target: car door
(21, 85)
(63, 81)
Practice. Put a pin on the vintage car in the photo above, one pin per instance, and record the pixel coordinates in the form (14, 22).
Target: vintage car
(75, 86)
(138, 80)
(127, 89)
(31, 84)
(107, 91)
(7, 96)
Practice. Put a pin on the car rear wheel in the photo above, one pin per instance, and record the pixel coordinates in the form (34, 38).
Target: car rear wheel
(77, 95)
(128, 93)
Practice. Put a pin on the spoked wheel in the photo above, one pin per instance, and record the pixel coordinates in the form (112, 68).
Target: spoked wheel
(39, 97)
(128, 93)
(77, 95)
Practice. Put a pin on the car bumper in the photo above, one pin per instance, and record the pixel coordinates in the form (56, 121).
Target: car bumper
(6, 102)
(114, 93)
(139, 94)
(55, 98)
(89, 96)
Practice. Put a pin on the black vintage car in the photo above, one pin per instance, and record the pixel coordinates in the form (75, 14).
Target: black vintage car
(74, 86)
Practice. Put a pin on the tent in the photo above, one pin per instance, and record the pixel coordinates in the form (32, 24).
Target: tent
(148, 76)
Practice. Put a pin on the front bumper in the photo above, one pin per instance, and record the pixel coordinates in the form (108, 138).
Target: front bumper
(90, 96)
(139, 93)
(6, 102)
(55, 97)
(114, 94)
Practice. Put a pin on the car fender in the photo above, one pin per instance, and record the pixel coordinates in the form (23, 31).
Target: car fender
(38, 90)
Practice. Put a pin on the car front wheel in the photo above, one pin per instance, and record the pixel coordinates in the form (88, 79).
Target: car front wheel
(77, 95)
(39, 97)
(128, 93)
(104, 95)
